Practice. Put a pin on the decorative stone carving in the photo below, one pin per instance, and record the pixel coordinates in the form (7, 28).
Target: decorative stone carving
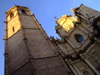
(86, 73)
(97, 56)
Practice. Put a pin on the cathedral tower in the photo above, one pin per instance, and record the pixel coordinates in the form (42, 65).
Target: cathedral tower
(28, 49)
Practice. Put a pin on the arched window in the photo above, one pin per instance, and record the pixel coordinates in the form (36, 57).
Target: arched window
(23, 12)
(11, 15)
(79, 38)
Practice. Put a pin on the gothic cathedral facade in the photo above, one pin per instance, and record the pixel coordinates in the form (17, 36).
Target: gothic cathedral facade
(29, 50)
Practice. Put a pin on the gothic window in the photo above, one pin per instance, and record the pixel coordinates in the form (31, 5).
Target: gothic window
(13, 29)
(79, 38)
(11, 15)
(23, 12)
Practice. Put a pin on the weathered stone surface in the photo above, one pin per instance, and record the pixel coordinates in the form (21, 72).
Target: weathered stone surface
(13, 22)
(51, 66)
(28, 21)
(38, 45)
(26, 69)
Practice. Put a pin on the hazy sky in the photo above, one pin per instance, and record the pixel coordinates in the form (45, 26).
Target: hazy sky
(44, 11)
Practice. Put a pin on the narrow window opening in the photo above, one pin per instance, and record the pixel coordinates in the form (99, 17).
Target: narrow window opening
(13, 29)
(11, 15)
(23, 12)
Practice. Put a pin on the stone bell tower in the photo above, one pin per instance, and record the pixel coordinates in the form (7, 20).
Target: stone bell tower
(28, 49)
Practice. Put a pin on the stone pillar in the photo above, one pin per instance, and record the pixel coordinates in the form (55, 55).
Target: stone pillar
(73, 70)
(91, 66)
(6, 48)
(79, 73)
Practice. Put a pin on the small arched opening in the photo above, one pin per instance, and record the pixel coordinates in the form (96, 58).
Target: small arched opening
(23, 12)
